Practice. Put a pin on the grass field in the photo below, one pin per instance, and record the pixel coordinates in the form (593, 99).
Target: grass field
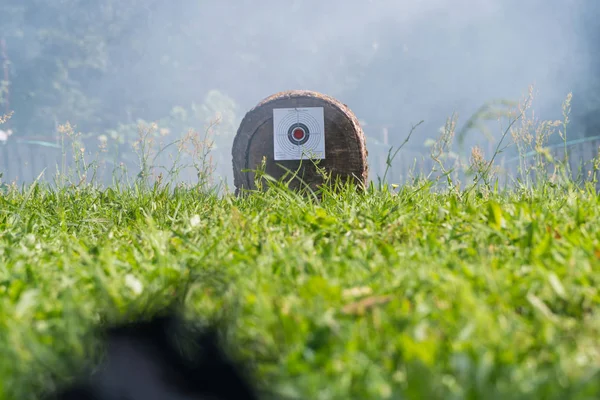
(407, 294)
(432, 290)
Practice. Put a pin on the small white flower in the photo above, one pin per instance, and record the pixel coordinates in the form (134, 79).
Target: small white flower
(134, 284)
(195, 221)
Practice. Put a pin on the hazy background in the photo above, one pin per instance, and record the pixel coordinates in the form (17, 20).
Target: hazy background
(105, 65)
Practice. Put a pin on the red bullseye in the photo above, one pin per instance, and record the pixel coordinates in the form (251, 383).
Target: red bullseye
(298, 134)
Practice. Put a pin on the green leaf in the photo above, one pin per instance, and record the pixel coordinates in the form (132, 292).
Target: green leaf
(495, 218)
(557, 286)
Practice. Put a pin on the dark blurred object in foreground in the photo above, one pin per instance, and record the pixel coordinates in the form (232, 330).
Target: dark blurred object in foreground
(162, 359)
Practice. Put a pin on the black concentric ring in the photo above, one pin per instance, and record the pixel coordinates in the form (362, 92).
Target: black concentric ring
(291, 137)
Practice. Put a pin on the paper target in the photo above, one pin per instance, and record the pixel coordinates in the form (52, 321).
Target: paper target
(299, 133)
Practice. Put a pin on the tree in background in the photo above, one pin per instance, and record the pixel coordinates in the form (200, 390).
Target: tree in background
(102, 65)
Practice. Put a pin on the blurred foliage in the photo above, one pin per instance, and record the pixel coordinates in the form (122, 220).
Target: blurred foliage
(218, 112)
(212, 122)
(84, 62)
(101, 64)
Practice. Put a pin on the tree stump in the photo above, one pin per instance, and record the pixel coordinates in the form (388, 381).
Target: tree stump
(345, 155)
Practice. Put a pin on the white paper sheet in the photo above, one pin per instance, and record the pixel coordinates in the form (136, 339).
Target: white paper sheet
(299, 133)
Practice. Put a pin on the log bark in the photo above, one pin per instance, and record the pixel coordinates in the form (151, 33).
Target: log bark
(345, 144)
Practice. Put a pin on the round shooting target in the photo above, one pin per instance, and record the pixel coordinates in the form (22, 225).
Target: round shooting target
(298, 133)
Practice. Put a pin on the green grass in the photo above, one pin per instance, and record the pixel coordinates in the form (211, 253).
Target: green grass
(405, 295)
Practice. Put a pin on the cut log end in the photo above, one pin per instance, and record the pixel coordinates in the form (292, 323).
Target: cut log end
(345, 147)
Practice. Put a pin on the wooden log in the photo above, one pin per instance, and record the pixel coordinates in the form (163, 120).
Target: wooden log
(345, 145)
